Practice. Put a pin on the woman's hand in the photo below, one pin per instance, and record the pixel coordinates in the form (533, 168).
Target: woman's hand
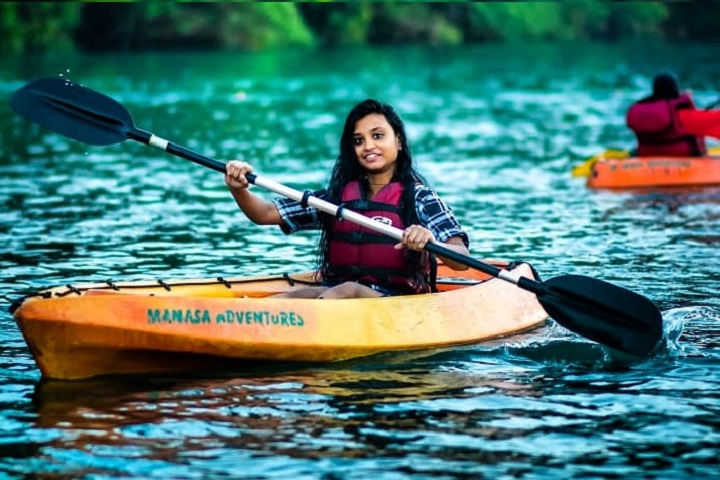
(415, 237)
(235, 171)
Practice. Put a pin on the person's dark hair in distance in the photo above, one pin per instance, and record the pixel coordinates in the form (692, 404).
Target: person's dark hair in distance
(666, 85)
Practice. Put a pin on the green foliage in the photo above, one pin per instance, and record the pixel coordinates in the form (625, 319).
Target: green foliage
(172, 25)
(519, 21)
(580, 19)
(635, 19)
(246, 25)
(32, 27)
(11, 29)
(587, 19)
(352, 29)
(338, 23)
(262, 25)
(413, 22)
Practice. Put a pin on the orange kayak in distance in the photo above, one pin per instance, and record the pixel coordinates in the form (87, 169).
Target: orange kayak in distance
(649, 172)
(86, 330)
(611, 171)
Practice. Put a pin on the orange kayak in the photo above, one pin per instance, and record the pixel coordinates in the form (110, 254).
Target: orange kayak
(85, 330)
(645, 172)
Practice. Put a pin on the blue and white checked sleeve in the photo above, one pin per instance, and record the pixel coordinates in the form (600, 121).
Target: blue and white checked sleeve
(437, 216)
(296, 217)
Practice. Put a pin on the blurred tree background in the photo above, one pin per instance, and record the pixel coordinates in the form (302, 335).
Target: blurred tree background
(32, 27)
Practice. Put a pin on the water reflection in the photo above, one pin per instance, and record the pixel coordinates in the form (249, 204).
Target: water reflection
(438, 408)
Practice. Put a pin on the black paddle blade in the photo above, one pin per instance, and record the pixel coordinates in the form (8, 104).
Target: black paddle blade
(603, 312)
(73, 111)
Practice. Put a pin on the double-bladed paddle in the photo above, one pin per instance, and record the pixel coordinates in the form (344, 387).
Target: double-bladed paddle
(598, 310)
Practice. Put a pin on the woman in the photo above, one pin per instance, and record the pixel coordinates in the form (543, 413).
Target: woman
(374, 176)
(656, 122)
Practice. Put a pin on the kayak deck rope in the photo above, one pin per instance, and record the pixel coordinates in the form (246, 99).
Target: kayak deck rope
(71, 289)
(167, 285)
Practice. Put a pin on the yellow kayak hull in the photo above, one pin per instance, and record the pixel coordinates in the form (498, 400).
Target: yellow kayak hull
(87, 330)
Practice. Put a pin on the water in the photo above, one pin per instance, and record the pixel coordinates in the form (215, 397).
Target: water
(496, 130)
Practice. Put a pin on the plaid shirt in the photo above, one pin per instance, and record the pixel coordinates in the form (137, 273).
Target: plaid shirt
(432, 212)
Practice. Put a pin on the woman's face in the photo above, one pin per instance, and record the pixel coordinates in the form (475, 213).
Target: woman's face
(376, 144)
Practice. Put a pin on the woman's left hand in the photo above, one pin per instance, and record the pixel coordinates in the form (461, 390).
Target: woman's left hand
(415, 237)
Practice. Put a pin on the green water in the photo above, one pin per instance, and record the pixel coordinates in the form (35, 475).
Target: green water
(496, 130)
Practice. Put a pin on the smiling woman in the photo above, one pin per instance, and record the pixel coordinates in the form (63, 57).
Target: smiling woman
(373, 175)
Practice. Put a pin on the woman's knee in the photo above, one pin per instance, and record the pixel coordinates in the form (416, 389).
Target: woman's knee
(307, 292)
(349, 290)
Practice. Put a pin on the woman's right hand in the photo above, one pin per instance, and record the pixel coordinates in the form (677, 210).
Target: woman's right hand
(235, 171)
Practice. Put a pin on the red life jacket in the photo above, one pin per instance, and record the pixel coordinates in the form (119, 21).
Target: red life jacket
(659, 131)
(359, 254)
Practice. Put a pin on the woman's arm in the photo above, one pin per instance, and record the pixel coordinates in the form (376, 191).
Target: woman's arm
(439, 226)
(258, 210)
(416, 237)
(458, 245)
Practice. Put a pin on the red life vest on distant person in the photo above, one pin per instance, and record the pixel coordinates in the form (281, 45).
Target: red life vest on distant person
(658, 129)
(359, 254)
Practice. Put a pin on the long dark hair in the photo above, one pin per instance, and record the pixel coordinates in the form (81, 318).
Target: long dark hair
(347, 168)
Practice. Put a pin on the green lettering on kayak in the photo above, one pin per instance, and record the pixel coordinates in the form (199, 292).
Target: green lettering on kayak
(234, 317)
(167, 315)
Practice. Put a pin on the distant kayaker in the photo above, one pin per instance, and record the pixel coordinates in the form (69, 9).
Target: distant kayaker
(656, 123)
(373, 175)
